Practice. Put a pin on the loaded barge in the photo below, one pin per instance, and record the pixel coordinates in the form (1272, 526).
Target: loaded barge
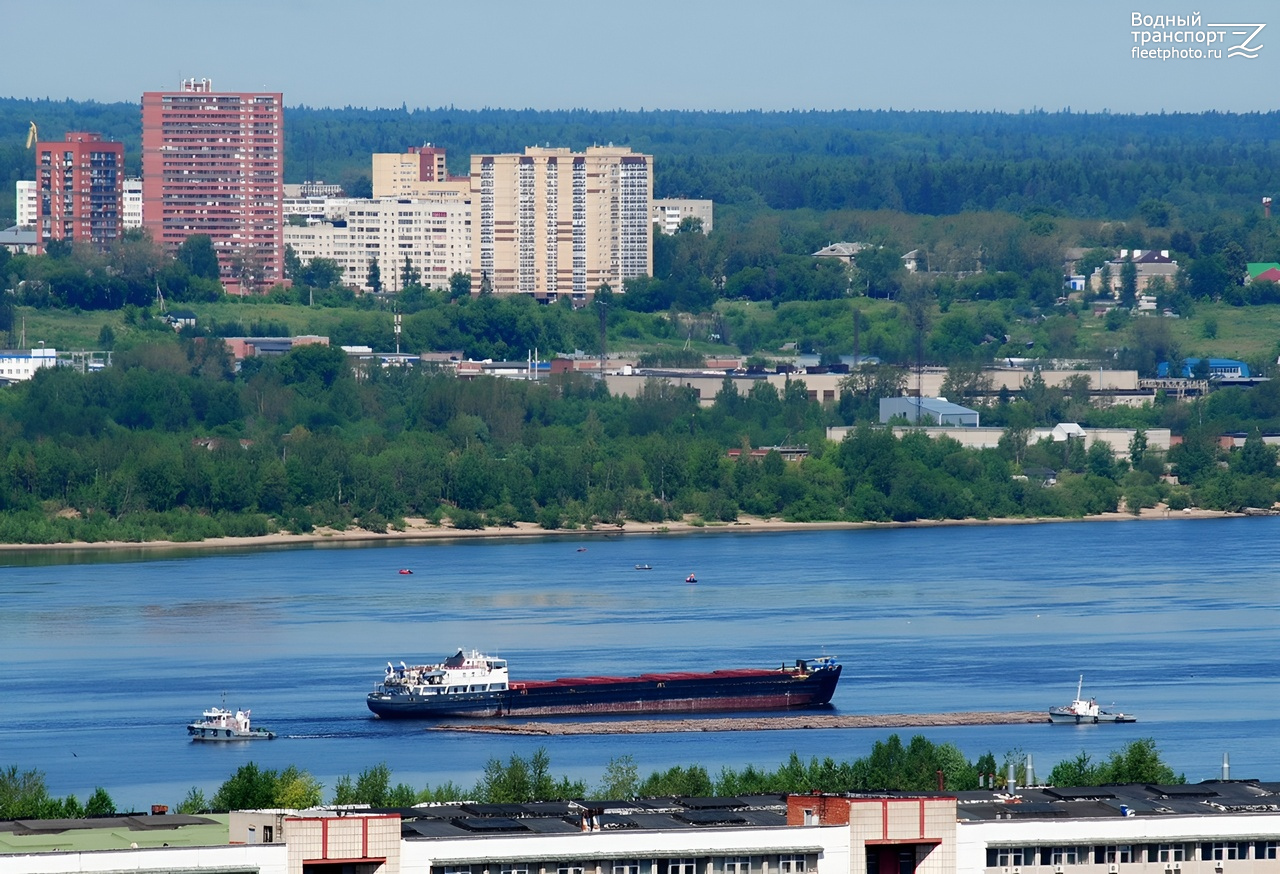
(471, 684)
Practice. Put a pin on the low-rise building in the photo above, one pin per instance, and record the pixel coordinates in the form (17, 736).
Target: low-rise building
(1149, 264)
(17, 365)
(18, 240)
(934, 411)
(246, 347)
(1117, 440)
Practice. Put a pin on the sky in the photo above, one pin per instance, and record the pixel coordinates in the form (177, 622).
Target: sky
(1002, 55)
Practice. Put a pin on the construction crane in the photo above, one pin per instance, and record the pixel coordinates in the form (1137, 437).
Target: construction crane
(33, 136)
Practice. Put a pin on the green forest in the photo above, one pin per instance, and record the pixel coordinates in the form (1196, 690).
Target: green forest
(891, 765)
(172, 442)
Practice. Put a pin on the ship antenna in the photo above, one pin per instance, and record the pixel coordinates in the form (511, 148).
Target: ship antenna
(1080, 687)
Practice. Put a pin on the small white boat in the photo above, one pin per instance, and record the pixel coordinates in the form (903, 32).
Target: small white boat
(644, 567)
(218, 724)
(1081, 711)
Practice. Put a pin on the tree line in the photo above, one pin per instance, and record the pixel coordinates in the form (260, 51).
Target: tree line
(917, 765)
(932, 163)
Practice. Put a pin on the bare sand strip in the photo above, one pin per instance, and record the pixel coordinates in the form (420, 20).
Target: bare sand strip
(755, 723)
(420, 530)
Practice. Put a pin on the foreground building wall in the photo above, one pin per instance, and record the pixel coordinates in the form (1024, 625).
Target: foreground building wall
(1211, 844)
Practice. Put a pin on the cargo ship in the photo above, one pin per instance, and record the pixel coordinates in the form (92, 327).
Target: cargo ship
(471, 684)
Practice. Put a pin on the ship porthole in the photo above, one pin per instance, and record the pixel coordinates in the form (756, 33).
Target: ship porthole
(228, 732)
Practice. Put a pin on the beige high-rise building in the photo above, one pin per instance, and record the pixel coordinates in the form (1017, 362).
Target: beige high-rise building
(418, 173)
(554, 223)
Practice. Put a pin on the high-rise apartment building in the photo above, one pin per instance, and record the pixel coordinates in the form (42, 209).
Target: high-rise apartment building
(131, 216)
(419, 172)
(213, 163)
(27, 203)
(556, 223)
(79, 190)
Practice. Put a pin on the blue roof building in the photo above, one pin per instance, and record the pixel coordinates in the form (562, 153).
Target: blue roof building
(1219, 368)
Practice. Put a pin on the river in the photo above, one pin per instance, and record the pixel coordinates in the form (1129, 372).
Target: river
(105, 656)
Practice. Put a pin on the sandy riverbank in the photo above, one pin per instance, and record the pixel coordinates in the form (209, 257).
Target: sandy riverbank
(751, 723)
(422, 530)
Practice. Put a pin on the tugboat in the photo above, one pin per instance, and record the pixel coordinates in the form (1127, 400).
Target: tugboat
(1081, 711)
(691, 579)
(223, 725)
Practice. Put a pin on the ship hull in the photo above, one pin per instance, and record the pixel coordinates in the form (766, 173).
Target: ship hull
(717, 692)
(1063, 717)
(222, 735)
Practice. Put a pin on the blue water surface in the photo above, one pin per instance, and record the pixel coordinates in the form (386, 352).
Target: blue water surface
(104, 657)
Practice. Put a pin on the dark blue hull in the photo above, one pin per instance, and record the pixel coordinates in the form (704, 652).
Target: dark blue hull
(719, 691)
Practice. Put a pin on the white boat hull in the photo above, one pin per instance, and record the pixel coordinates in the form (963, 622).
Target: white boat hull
(1064, 717)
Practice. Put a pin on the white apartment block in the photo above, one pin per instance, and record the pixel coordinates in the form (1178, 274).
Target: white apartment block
(312, 189)
(554, 223)
(28, 204)
(667, 213)
(131, 217)
(435, 236)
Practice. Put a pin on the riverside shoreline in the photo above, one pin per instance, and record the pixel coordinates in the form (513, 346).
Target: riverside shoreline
(749, 723)
(420, 530)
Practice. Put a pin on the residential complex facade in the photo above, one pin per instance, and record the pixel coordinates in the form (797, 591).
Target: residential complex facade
(213, 163)
(79, 190)
(435, 236)
(555, 223)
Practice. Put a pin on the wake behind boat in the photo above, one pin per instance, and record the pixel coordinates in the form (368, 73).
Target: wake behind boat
(223, 725)
(476, 685)
(1081, 711)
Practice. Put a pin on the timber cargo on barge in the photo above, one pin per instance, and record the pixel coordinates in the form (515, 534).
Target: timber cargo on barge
(471, 684)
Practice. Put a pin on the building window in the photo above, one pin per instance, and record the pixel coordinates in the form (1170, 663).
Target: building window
(1067, 855)
(568, 868)
(1170, 853)
(1265, 850)
(268, 834)
(1120, 854)
(682, 866)
(1005, 857)
(626, 866)
(521, 869)
(793, 864)
(1222, 851)
(737, 865)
